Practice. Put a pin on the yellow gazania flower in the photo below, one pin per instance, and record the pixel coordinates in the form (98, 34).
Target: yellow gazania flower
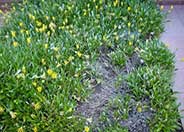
(85, 13)
(171, 7)
(22, 9)
(48, 33)
(28, 40)
(1, 109)
(31, 17)
(41, 30)
(49, 72)
(70, 110)
(15, 44)
(22, 31)
(52, 25)
(76, 75)
(66, 62)
(96, 7)
(37, 106)
(116, 37)
(54, 75)
(14, 8)
(35, 129)
(27, 32)
(43, 62)
(36, 29)
(20, 24)
(139, 30)
(38, 23)
(115, 2)
(1, 12)
(13, 114)
(34, 84)
(77, 46)
(44, 27)
(129, 8)
(39, 89)
(20, 129)
(129, 24)
(79, 53)
(161, 7)
(46, 46)
(13, 33)
(130, 43)
(24, 69)
(139, 109)
(46, 17)
(53, 18)
(86, 129)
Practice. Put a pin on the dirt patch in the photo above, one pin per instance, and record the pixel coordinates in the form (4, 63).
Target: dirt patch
(103, 91)
(106, 91)
(133, 62)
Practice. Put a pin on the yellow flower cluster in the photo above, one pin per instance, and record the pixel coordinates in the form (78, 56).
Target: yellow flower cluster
(15, 44)
(13, 33)
(116, 2)
(32, 17)
(35, 129)
(28, 40)
(129, 8)
(39, 89)
(52, 26)
(21, 24)
(52, 74)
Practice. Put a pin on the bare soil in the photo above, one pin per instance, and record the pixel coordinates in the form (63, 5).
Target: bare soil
(106, 90)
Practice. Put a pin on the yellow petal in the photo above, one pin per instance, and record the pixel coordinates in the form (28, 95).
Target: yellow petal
(86, 129)
(13, 114)
(20, 129)
(1, 109)
(39, 89)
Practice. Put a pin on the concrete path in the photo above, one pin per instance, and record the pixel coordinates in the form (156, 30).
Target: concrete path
(174, 38)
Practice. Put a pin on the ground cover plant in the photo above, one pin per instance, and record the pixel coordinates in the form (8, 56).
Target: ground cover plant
(78, 65)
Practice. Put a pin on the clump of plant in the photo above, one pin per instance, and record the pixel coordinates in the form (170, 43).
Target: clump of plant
(118, 58)
(155, 52)
(117, 110)
(154, 83)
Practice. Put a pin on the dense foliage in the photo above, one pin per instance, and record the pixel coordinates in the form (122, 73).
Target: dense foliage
(46, 48)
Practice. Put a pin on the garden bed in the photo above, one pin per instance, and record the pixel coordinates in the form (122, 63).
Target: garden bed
(86, 66)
